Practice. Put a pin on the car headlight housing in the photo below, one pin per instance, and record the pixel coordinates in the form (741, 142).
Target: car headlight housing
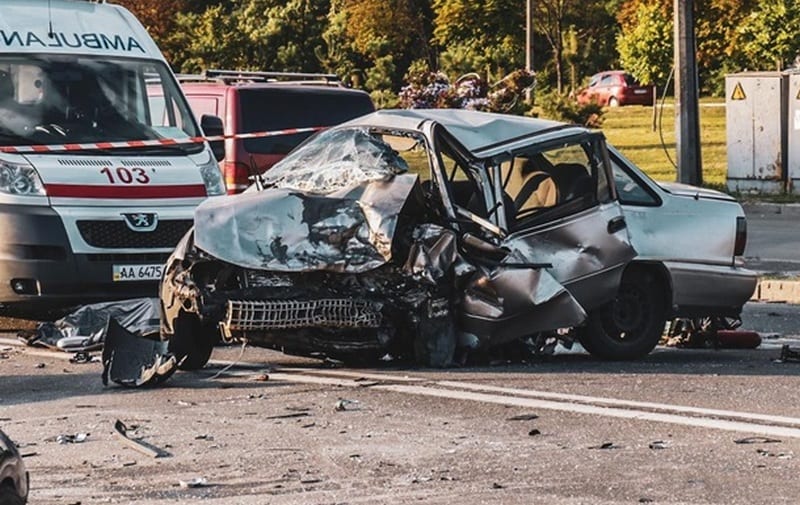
(212, 178)
(20, 180)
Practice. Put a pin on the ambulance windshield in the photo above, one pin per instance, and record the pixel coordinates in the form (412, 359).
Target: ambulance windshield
(53, 99)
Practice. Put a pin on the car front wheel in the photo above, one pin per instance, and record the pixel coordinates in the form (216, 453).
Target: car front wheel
(192, 341)
(632, 324)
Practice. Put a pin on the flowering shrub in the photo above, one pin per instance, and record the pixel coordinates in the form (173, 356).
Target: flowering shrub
(433, 90)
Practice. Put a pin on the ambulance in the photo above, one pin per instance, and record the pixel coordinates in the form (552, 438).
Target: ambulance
(98, 178)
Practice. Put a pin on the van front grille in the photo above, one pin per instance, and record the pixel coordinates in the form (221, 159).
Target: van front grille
(117, 235)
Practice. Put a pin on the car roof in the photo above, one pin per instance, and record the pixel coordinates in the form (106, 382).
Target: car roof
(475, 130)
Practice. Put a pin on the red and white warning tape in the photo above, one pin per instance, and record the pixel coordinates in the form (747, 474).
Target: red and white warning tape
(52, 148)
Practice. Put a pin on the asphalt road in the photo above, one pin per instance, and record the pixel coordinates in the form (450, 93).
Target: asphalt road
(681, 426)
(773, 239)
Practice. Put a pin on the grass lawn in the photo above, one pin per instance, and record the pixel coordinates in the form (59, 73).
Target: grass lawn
(630, 129)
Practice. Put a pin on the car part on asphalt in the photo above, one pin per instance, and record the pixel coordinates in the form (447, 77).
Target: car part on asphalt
(122, 433)
(135, 361)
(84, 329)
(789, 354)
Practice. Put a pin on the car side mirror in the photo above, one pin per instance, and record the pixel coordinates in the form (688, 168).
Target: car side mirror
(212, 127)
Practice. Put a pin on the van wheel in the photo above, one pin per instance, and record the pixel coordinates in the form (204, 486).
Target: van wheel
(192, 341)
(613, 102)
(632, 324)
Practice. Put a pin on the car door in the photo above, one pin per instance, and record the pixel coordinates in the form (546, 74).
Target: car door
(534, 269)
(565, 212)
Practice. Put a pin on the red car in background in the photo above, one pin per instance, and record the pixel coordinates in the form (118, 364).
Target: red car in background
(614, 88)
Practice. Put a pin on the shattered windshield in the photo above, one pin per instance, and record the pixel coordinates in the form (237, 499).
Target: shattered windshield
(337, 159)
(57, 99)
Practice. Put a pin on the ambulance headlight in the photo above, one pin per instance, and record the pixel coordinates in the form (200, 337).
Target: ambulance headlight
(212, 178)
(20, 179)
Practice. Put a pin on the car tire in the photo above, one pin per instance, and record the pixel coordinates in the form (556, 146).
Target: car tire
(192, 341)
(9, 495)
(613, 102)
(632, 324)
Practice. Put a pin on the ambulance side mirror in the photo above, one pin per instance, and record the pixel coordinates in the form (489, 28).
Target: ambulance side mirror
(212, 127)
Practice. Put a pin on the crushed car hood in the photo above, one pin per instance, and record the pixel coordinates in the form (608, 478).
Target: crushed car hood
(288, 230)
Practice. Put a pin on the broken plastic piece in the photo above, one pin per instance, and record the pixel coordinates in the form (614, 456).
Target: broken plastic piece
(343, 404)
(789, 354)
(122, 432)
(196, 482)
(135, 361)
(78, 438)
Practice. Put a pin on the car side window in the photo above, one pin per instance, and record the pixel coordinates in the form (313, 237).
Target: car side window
(630, 190)
(465, 191)
(607, 80)
(544, 181)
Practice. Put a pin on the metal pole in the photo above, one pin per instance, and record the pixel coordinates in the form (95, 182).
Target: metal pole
(529, 45)
(687, 124)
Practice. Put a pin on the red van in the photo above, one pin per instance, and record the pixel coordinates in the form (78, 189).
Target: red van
(250, 102)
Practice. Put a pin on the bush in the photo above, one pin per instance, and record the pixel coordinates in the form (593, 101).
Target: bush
(433, 90)
(384, 99)
(562, 107)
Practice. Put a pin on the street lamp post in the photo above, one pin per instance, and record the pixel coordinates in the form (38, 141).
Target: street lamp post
(529, 45)
(687, 124)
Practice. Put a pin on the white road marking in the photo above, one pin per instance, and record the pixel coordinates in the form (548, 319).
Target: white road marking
(597, 406)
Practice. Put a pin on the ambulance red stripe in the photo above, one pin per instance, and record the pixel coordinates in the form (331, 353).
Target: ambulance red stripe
(97, 191)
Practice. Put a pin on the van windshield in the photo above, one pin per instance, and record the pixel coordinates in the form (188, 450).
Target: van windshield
(55, 99)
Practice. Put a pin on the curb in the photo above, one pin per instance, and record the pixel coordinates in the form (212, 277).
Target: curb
(765, 208)
(777, 291)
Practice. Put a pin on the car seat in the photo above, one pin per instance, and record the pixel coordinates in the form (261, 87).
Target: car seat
(572, 181)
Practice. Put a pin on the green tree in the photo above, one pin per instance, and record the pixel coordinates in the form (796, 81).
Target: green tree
(718, 53)
(210, 39)
(276, 35)
(645, 47)
(487, 36)
(770, 35)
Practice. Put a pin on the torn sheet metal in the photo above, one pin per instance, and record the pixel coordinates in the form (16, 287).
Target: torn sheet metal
(286, 231)
(135, 361)
(84, 329)
(525, 300)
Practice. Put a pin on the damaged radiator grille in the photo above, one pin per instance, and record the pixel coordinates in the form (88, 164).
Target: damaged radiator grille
(293, 314)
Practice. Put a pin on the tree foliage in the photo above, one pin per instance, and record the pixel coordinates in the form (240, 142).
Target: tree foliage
(770, 35)
(479, 35)
(646, 48)
(375, 44)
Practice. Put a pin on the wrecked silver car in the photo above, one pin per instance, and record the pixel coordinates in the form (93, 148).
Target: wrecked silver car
(408, 232)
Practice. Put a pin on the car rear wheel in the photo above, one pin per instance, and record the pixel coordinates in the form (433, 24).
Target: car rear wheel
(632, 324)
(613, 102)
(192, 341)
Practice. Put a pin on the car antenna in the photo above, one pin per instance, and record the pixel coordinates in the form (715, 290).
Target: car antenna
(255, 174)
(50, 32)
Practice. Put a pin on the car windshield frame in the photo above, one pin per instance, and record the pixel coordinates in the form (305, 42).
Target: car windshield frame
(48, 99)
